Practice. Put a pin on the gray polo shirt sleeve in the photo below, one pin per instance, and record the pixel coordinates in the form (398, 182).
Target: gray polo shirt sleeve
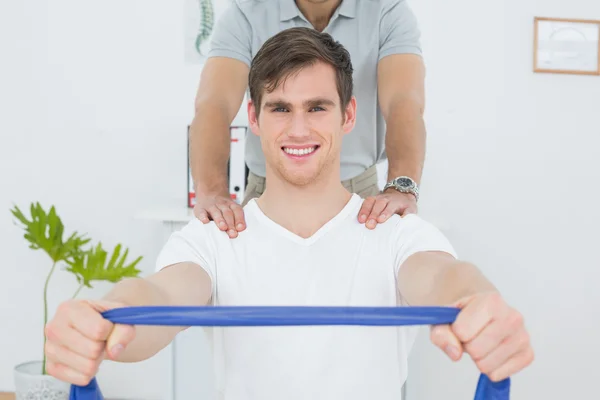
(399, 30)
(232, 36)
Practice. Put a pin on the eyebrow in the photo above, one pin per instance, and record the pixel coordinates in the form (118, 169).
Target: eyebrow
(319, 101)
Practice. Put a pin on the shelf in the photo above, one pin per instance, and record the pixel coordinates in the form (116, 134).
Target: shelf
(167, 214)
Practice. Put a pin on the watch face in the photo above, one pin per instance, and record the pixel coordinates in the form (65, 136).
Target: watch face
(404, 182)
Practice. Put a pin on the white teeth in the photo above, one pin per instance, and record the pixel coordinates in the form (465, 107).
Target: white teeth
(299, 152)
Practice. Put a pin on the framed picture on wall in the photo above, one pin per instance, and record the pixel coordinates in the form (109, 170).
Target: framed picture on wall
(200, 18)
(237, 171)
(566, 46)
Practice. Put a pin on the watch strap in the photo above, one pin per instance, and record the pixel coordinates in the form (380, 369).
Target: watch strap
(414, 189)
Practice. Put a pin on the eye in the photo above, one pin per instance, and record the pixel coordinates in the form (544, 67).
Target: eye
(279, 109)
(317, 109)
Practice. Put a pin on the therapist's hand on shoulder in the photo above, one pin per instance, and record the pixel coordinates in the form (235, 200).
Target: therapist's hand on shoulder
(78, 339)
(226, 213)
(491, 332)
(378, 209)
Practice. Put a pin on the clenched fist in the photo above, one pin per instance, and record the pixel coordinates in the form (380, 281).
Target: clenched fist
(78, 339)
(491, 332)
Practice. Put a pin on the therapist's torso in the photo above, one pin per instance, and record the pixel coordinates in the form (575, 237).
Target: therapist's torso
(369, 29)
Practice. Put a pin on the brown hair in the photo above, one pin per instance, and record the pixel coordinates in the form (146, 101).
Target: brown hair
(291, 50)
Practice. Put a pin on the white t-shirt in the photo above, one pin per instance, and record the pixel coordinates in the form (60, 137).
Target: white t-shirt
(342, 264)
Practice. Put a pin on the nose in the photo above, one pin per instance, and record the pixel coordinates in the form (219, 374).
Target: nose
(299, 128)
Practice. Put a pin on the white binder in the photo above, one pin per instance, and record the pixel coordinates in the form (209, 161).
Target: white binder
(237, 171)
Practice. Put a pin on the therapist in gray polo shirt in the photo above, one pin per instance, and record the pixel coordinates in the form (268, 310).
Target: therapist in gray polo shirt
(382, 37)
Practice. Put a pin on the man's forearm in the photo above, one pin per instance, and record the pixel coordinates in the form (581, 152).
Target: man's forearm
(456, 281)
(149, 340)
(210, 144)
(438, 279)
(405, 140)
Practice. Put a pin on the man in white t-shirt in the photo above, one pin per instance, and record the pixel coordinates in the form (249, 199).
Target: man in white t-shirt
(303, 246)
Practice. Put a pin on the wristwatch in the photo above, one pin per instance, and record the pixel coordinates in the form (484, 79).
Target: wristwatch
(403, 184)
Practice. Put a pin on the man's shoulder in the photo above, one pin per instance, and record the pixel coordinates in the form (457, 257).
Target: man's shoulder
(196, 229)
(258, 15)
(364, 9)
(409, 222)
(403, 225)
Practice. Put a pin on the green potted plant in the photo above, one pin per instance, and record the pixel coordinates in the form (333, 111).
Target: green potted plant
(44, 230)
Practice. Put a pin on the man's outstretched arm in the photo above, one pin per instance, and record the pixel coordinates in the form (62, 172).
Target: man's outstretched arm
(487, 328)
(437, 278)
(79, 338)
(183, 284)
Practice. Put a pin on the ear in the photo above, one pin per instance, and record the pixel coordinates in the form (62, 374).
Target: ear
(349, 116)
(253, 117)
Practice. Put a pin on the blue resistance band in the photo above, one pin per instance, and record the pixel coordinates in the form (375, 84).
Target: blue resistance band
(225, 316)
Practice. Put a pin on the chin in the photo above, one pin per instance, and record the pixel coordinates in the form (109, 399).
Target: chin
(298, 177)
(301, 171)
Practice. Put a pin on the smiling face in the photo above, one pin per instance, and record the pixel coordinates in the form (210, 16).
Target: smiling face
(301, 124)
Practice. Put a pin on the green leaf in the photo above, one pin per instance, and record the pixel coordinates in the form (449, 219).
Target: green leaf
(45, 231)
(95, 265)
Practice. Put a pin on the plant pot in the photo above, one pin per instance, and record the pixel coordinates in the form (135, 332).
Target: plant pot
(31, 384)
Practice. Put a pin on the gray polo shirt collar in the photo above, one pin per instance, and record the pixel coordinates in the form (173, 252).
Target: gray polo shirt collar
(289, 10)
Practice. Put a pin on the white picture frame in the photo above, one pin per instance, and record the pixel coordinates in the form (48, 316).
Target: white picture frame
(566, 46)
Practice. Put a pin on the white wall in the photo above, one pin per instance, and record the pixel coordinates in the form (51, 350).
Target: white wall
(95, 100)
(513, 167)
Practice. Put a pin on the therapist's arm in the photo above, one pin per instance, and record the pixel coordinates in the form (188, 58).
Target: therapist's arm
(401, 85)
(487, 328)
(402, 102)
(184, 284)
(219, 98)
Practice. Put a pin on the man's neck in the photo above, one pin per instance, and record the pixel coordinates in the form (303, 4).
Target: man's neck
(302, 210)
(318, 14)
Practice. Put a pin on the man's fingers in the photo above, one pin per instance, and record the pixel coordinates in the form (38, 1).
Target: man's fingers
(493, 334)
(62, 355)
(238, 214)
(67, 374)
(475, 316)
(201, 214)
(378, 207)
(74, 341)
(443, 337)
(228, 217)
(512, 366)
(513, 345)
(120, 337)
(86, 321)
(366, 208)
(217, 216)
(387, 212)
(488, 339)
(226, 213)
(234, 217)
